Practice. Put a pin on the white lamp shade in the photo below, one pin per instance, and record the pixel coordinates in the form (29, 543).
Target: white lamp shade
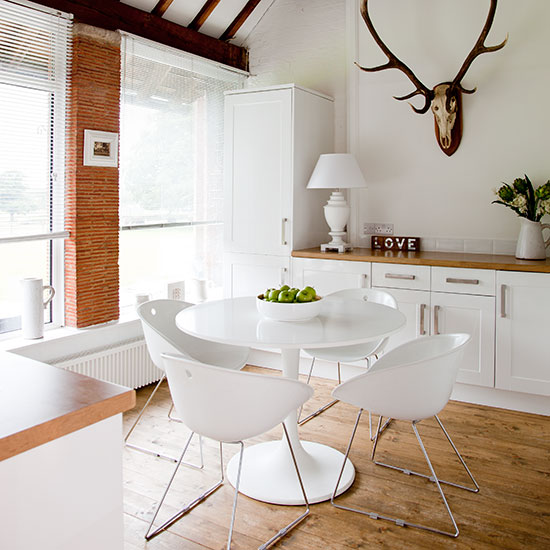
(336, 170)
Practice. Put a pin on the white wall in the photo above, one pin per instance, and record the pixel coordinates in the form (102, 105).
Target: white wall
(412, 184)
(506, 121)
(304, 42)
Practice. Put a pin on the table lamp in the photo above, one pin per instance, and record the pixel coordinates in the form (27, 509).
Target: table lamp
(340, 171)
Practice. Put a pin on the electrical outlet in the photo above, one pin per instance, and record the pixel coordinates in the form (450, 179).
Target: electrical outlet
(377, 229)
(176, 291)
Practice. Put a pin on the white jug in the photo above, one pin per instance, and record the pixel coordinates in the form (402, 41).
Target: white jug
(34, 304)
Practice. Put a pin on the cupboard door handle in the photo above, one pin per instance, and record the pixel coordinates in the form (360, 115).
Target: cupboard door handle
(283, 271)
(503, 301)
(462, 281)
(283, 232)
(436, 319)
(422, 330)
(364, 276)
(400, 276)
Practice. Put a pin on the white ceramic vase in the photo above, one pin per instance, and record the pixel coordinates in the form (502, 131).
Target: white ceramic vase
(34, 303)
(531, 245)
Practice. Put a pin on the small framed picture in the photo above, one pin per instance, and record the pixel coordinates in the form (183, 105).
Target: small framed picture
(100, 148)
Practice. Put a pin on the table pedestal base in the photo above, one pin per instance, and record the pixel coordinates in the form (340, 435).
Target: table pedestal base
(268, 473)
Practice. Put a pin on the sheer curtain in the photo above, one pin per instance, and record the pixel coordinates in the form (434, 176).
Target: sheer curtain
(171, 163)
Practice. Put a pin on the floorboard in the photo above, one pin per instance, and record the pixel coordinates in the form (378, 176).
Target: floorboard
(507, 451)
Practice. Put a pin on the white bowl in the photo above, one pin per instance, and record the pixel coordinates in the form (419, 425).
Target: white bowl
(280, 311)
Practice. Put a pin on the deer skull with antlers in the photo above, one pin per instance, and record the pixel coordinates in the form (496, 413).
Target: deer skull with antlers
(445, 99)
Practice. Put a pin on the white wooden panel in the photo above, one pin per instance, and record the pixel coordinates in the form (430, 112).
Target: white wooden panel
(415, 305)
(475, 316)
(251, 274)
(416, 277)
(258, 177)
(328, 276)
(463, 281)
(522, 358)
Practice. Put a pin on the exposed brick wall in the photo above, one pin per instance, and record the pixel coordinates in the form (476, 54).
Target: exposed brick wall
(92, 197)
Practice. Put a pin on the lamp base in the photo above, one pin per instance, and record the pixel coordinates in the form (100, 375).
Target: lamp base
(337, 242)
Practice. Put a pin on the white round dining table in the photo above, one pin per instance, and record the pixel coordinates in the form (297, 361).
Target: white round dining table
(268, 472)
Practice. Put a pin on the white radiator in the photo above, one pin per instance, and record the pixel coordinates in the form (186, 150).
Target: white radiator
(126, 363)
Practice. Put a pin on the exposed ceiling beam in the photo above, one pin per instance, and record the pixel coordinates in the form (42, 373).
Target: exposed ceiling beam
(114, 15)
(203, 14)
(237, 23)
(161, 7)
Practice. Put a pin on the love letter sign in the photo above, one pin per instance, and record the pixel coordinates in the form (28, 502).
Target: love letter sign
(409, 244)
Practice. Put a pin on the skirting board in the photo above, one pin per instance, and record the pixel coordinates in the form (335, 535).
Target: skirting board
(492, 397)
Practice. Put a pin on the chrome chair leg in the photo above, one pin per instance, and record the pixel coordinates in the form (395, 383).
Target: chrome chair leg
(156, 453)
(190, 505)
(433, 478)
(282, 532)
(302, 421)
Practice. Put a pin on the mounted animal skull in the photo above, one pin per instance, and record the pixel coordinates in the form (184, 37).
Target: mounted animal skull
(445, 99)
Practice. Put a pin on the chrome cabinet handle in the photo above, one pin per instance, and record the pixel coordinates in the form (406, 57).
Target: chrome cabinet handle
(462, 281)
(400, 276)
(364, 276)
(436, 319)
(422, 330)
(283, 271)
(503, 301)
(283, 232)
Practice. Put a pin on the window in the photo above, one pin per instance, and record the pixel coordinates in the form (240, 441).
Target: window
(171, 165)
(34, 57)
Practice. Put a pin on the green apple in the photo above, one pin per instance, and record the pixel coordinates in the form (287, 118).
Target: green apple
(286, 297)
(285, 287)
(274, 295)
(311, 290)
(294, 292)
(303, 296)
(267, 293)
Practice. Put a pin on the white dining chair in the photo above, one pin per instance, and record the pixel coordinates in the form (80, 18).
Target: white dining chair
(158, 319)
(411, 382)
(230, 406)
(369, 351)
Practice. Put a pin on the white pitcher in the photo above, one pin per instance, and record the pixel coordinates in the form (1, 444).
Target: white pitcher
(34, 304)
(531, 245)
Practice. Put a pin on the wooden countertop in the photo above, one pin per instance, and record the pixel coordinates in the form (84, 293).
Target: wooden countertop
(40, 403)
(442, 259)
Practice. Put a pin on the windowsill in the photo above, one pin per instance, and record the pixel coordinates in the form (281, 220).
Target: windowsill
(63, 341)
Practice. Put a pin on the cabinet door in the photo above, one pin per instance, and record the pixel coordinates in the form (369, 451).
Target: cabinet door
(523, 309)
(415, 305)
(251, 274)
(474, 315)
(258, 172)
(327, 276)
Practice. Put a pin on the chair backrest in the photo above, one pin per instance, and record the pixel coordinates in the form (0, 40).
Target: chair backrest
(368, 295)
(228, 405)
(411, 382)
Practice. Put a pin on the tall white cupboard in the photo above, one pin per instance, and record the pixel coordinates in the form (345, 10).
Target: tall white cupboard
(273, 138)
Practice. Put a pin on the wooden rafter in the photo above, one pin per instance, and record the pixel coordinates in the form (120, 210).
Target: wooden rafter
(115, 15)
(237, 23)
(203, 14)
(161, 7)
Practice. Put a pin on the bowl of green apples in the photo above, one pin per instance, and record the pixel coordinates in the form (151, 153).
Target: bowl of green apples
(289, 304)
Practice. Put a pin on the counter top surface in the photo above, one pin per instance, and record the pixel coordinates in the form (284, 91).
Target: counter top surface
(442, 259)
(40, 403)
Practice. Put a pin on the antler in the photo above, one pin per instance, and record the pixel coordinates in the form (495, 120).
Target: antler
(395, 63)
(478, 49)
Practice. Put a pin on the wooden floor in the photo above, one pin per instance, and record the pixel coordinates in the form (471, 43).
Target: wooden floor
(508, 453)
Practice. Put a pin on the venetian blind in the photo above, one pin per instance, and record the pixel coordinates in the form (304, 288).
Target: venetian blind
(35, 52)
(171, 150)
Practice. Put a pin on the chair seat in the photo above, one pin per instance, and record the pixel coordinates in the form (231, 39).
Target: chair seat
(220, 355)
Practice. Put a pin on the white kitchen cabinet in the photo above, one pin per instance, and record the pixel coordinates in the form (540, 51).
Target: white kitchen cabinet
(251, 274)
(328, 276)
(522, 330)
(273, 139)
(463, 301)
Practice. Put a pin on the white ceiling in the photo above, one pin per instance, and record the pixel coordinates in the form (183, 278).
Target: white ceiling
(183, 12)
